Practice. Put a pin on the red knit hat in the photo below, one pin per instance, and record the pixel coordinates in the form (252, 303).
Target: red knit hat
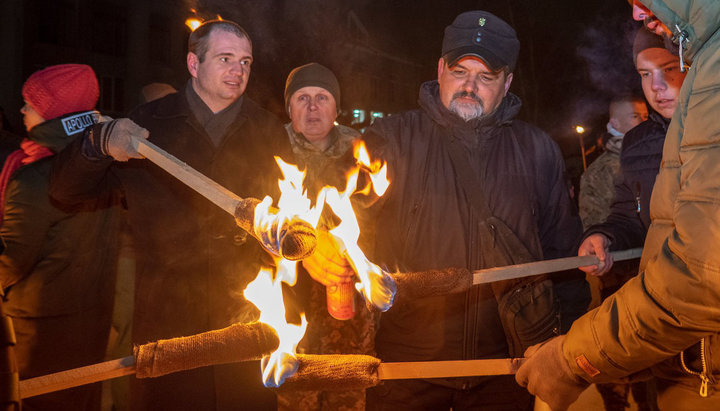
(61, 89)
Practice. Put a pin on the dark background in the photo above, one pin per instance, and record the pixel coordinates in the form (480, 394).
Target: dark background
(575, 55)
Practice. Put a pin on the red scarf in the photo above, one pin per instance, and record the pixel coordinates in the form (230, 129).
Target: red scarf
(29, 152)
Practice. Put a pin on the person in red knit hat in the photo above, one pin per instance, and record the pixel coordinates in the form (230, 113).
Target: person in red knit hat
(58, 267)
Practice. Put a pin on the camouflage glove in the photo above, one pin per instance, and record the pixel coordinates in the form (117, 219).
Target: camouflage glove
(113, 139)
(547, 375)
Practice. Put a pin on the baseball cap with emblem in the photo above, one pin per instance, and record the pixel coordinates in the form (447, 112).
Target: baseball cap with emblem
(482, 35)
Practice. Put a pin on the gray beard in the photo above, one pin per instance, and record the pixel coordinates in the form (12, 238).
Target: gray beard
(465, 111)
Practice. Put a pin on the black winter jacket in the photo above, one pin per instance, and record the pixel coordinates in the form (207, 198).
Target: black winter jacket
(629, 218)
(57, 261)
(193, 262)
(426, 220)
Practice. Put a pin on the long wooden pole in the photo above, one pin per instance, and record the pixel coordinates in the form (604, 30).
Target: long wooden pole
(448, 369)
(386, 371)
(548, 266)
(77, 376)
(208, 188)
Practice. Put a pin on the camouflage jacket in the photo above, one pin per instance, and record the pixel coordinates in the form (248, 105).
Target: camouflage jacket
(597, 189)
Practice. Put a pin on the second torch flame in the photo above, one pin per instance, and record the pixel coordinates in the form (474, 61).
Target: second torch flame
(265, 292)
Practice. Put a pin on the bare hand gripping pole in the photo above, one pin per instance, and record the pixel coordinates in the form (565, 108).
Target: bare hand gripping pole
(294, 239)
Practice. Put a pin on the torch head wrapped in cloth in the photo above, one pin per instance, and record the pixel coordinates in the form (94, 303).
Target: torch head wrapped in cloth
(293, 239)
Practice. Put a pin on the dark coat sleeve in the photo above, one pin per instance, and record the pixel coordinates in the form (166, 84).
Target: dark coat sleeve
(623, 227)
(76, 178)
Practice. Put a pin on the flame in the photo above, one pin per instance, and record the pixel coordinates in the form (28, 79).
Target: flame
(579, 129)
(266, 292)
(293, 203)
(193, 23)
(377, 169)
(376, 285)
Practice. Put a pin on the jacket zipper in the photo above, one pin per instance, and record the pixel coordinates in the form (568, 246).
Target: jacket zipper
(704, 379)
(681, 37)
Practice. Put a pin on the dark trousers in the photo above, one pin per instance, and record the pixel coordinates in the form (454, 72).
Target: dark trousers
(495, 394)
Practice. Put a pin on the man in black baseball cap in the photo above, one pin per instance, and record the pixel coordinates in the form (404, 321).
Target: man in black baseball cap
(479, 53)
(481, 34)
(472, 187)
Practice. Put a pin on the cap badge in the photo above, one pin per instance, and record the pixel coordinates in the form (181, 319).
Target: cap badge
(481, 21)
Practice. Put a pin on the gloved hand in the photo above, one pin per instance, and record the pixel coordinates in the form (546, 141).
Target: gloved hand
(547, 375)
(327, 265)
(597, 244)
(114, 138)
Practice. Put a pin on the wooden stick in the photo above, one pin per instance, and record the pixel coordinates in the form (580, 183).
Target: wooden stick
(448, 369)
(386, 371)
(77, 377)
(211, 190)
(548, 266)
(293, 240)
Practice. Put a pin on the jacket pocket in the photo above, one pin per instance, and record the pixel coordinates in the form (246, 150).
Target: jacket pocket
(530, 315)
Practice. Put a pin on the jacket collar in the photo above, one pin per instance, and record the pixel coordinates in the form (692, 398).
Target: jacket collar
(175, 105)
(657, 118)
(57, 133)
(430, 102)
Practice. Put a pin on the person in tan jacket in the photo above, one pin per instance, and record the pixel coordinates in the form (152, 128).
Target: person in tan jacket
(667, 319)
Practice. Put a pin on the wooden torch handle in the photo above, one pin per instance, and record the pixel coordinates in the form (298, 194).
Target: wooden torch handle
(77, 376)
(208, 188)
(548, 266)
(448, 369)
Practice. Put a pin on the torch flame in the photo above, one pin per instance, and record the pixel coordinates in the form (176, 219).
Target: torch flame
(377, 169)
(376, 285)
(266, 293)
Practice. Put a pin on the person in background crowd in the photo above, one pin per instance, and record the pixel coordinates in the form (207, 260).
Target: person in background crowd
(154, 91)
(666, 320)
(58, 267)
(471, 186)
(596, 183)
(312, 99)
(193, 262)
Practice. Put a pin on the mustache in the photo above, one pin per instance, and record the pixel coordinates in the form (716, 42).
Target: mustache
(468, 94)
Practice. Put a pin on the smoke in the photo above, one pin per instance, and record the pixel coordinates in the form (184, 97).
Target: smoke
(606, 49)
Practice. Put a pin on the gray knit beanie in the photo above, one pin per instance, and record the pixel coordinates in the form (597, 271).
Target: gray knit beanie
(312, 75)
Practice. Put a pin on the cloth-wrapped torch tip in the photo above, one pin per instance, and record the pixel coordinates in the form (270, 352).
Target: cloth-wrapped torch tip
(333, 373)
(294, 239)
(236, 343)
(412, 286)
